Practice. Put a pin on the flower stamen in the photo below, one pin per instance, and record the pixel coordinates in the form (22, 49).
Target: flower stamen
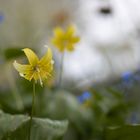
(36, 69)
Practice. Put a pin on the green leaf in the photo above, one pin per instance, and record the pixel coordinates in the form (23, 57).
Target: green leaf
(17, 126)
(126, 132)
(62, 104)
(11, 53)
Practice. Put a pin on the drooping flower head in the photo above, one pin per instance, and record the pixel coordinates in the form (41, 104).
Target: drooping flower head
(37, 69)
(65, 40)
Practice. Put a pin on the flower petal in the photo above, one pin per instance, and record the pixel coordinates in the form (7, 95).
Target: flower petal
(58, 32)
(70, 31)
(23, 69)
(29, 76)
(47, 58)
(32, 57)
(55, 41)
(75, 39)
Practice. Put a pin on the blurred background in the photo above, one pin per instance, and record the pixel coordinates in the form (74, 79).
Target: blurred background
(101, 78)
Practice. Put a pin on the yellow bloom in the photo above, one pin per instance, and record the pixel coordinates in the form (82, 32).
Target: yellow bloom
(36, 69)
(65, 40)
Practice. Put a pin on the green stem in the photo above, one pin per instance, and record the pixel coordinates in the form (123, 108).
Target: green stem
(32, 111)
(61, 70)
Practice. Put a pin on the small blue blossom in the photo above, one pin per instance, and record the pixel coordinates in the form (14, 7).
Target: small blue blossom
(84, 97)
(127, 76)
(127, 79)
(134, 118)
(1, 17)
(80, 99)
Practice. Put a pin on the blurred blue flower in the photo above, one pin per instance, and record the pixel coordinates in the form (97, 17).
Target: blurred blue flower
(127, 80)
(127, 76)
(80, 99)
(84, 97)
(1, 17)
(134, 118)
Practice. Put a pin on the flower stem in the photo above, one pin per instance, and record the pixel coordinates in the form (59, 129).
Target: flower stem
(32, 111)
(61, 70)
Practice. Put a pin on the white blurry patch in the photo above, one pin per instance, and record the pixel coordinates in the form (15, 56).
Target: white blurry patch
(83, 65)
(110, 42)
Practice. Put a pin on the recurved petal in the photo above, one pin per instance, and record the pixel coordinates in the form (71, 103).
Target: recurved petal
(32, 57)
(22, 69)
(70, 31)
(75, 39)
(47, 58)
(58, 32)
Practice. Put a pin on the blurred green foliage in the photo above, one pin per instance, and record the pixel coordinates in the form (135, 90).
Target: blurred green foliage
(16, 126)
(124, 132)
(11, 53)
(92, 119)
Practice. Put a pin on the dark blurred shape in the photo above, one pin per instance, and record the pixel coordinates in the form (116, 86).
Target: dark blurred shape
(11, 53)
(105, 10)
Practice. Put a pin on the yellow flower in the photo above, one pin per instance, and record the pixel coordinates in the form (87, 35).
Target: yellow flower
(36, 69)
(65, 40)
